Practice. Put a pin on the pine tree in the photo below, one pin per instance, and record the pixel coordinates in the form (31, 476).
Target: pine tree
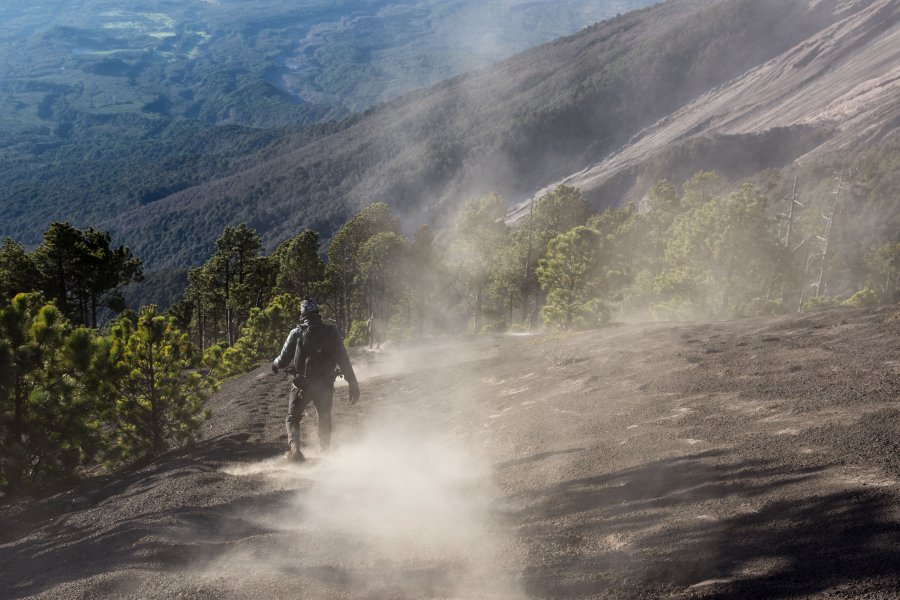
(884, 271)
(18, 271)
(383, 267)
(237, 268)
(107, 269)
(722, 257)
(480, 234)
(347, 303)
(571, 275)
(157, 400)
(300, 268)
(261, 336)
(47, 415)
(554, 213)
(83, 273)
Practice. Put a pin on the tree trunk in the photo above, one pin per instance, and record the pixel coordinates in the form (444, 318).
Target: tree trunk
(228, 305)
(15, 472)
(535, 310)
(61, 282)
(214, 338)
(94, 310)
(421, 311)
(155, 408)
(200, 331)
(345, 302)
(19, 418)
(479, 300)
(82, 308)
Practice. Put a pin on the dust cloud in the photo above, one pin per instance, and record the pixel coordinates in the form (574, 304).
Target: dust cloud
(400, 509)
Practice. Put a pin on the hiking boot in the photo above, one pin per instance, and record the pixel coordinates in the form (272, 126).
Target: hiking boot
(294, 455)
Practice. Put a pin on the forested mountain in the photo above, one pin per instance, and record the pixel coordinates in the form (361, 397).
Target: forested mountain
(107, 105)
(733, 85)
(538, 117)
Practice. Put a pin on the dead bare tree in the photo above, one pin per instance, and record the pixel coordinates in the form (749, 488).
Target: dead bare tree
(843, 177)
(789, 220)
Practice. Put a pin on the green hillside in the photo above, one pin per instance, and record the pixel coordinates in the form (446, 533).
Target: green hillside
(106, 107)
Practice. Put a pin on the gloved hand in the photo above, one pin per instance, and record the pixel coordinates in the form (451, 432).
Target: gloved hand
(354, 392)
(274, 368)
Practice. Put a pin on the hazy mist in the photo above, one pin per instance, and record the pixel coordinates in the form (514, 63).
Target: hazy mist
(405, 510)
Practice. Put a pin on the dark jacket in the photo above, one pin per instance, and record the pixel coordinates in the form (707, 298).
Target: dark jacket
(292, 353)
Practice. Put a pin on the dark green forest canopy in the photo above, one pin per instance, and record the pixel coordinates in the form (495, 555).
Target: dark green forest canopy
(79, 270)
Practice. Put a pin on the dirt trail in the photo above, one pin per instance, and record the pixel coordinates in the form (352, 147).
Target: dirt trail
(744, 459)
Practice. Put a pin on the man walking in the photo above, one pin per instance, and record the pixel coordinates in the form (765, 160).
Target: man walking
(373, 329)
(313, 348)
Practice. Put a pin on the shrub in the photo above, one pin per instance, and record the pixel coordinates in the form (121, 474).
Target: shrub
(358, 335)
(820, 303)
(261, 337)
(495, 327)
(864, 298)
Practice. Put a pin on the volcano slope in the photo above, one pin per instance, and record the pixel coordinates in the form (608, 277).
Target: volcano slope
(753, 458)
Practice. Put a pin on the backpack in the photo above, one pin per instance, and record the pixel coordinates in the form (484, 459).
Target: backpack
(318, 353)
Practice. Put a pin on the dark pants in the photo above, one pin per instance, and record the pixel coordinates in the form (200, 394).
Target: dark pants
(321, 397)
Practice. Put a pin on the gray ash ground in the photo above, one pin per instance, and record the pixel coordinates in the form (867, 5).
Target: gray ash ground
(754, 458)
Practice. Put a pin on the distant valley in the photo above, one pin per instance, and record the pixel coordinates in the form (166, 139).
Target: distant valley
(109, 106)
(256, 63)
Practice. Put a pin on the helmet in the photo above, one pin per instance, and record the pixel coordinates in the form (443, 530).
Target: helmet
(308, 306)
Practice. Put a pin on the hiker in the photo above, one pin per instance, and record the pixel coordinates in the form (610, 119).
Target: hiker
(373, 329)
(311, 352)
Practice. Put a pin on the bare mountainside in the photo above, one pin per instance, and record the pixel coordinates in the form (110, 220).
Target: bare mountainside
(837, 88)
(516, 126)
(742, 459)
